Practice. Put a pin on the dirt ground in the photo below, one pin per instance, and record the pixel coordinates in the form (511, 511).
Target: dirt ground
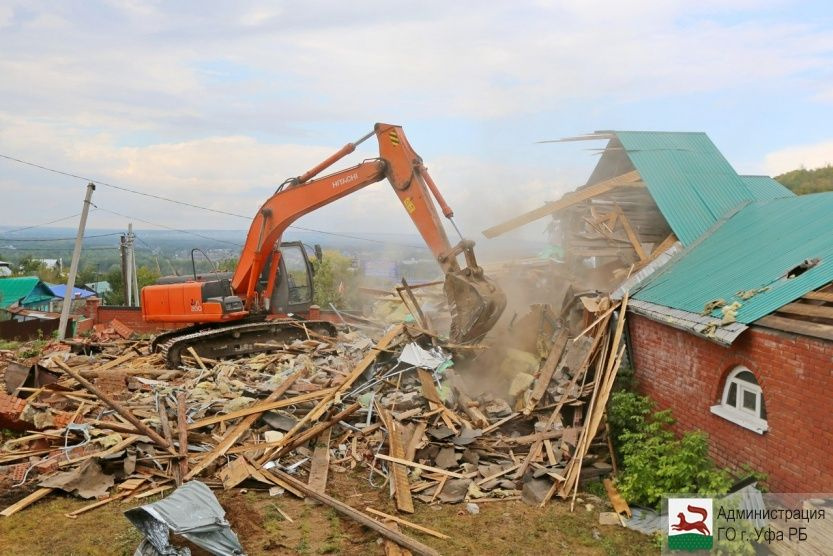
(500, 527)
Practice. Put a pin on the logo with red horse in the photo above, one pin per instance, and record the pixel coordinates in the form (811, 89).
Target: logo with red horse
(690, 524)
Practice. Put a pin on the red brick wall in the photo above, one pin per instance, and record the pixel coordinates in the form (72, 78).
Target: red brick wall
(132, 317)
(686, 373)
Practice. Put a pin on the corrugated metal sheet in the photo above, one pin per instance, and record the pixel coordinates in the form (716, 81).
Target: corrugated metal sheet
(690, 322)
(690, 180)
(765, 188)
(754, 248)
(28, 289)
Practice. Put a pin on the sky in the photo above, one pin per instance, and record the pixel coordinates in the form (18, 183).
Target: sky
(216, 103)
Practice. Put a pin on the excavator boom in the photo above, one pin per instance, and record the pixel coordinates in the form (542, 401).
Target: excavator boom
(474, 300)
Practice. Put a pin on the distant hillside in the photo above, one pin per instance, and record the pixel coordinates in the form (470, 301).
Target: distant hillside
(803, 181)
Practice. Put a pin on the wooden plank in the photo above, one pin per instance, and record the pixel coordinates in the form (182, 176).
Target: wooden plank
(242, 427)
(545, 376)
(629, 179)
(416, 438)
(616, 499)
(421, 466)
(182, 432)
(117, 361)
(402, 492)
(493, 476)
(581, 370)
(261, 407)
(391, 548)
(814, 329)
(466, 403)
(318, 428)
(430, 393)
(98, 504)
(361, 518)
(320, 463)
(118, 408)
(325, 403)
(632, 237)
(807, 310)
(407, 523)
(26, 502)
(819, 296)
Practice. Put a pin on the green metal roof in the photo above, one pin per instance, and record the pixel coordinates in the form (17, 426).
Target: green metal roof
(765, 188)
(753, 248)
(28, 288)
(689, 179)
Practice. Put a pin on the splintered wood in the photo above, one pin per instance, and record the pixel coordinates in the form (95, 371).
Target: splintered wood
(508, 415)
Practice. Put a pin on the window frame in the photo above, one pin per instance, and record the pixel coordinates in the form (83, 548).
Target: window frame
(737, 413)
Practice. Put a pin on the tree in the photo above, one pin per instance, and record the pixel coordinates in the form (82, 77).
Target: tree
(802, 181)
(335, 281)
(144, 275)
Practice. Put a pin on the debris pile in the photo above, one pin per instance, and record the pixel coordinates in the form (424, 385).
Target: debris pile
(519, 416)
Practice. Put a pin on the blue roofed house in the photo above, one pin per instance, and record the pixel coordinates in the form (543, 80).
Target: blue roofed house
(730, 309)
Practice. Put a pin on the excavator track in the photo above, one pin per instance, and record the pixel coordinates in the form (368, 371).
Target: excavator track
(237, 339)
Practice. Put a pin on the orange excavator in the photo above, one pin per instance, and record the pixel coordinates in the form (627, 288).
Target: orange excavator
(269, 296)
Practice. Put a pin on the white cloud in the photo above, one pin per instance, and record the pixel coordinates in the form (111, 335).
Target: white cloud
(799, 156)
(129, 91)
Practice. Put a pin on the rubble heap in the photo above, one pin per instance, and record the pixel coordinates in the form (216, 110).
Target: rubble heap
(518, 417)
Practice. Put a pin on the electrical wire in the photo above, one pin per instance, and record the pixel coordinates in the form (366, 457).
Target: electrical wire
(15, 239)
(187, 204)
(169, 227)
(42, 224)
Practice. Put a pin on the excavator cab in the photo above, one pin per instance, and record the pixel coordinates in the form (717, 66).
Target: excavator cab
(293, 292)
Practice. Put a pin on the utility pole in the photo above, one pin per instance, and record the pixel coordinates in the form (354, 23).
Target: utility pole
(123, 252)
(73, 267)
(133, 273)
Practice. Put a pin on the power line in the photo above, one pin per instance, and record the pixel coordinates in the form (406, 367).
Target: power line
(192, 205)
(119, 187)
(169, 227)
(15, 239)
(42, 224)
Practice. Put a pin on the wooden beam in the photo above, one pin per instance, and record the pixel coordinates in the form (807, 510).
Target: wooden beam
(630, 179)
(26, 502)
(407, 523)
(421, 466)
(325, 403)
(243, 426)
(545, 376)
(363, 519)
(182, 432)
(632, 237)
(261, 407)
(320, 463)
(118, 408)
(402, 492)
(813, 329)
(807, 310)
(819, 296)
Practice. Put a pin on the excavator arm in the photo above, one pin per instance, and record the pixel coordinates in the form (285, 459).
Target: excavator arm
(475, 301)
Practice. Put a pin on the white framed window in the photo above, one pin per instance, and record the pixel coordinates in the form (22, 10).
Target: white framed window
(742, 401)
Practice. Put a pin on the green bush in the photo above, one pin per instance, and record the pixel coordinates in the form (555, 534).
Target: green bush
(654, 461)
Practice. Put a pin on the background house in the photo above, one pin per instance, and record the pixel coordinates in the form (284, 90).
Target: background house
(28, 292)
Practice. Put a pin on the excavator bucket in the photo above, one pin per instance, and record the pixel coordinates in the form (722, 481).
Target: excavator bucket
(476, 303)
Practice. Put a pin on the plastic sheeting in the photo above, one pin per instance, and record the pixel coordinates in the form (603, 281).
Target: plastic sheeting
(191, 511)
(414, 355)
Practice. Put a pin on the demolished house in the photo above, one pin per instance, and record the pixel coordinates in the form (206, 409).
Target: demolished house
(731, 310)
